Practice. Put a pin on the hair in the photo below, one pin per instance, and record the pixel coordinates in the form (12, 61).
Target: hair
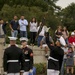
(70, 48)
(32, 19)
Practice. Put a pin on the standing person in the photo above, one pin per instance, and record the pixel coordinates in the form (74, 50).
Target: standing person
(1, 28)
(23, 24)
(65, 49)
(14, 26)
(5, 31)
(58, 32)
(40, 33)
(70, 61)
(65, 34)
(28, 53)
(33, 30)
(13, 59)
(72, 42)
(55, 59)
(1, 42)
(72, 39)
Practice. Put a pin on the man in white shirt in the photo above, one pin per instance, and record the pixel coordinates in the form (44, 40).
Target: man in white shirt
(23, 24)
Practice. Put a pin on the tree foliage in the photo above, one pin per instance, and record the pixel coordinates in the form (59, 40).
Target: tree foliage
(69, 16)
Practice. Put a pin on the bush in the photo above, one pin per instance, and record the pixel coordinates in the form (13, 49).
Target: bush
(41, 68)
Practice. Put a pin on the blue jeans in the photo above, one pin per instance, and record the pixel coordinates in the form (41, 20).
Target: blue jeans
(23, 33)
(14, 33)
(39, 40)
(62, 68)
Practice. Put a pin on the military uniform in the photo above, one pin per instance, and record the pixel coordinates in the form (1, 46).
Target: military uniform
(13, 60)
(28, 60)
(55, 60)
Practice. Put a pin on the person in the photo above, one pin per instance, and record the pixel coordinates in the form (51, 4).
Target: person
(28, 53)
(33, 30)
(1, 28)
(72, 39)
(55, 59)
(2, 39)
(72, 42)
(65, 34)
(65, 49)
(23, 24)
(58, 32)
(43, 44)
(70, 60)
(40, 33)
(13, 59)
(5, 30)
(14, 26)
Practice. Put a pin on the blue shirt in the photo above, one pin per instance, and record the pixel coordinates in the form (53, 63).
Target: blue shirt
(23, 24)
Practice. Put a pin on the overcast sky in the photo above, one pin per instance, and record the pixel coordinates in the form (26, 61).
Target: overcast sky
(64, 3)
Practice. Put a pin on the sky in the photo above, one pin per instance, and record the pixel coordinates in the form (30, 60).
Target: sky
(64, 3)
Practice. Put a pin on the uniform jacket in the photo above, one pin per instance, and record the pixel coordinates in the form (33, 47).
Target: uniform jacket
(28, 53)
(56, 53)
(13, 60)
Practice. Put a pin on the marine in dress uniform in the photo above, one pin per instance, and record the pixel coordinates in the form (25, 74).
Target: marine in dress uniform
(55, 59)
(28, 53)
(13, 60)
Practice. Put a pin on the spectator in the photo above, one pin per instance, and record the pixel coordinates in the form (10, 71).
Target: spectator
(1, 28)
(40, 33)
(70, 61)
(14, 26)
(46, 39)
(58, 32)
(64, 47)
(72, 39)
(65, 34)
(23, 24)
(33, 30)
(72, 43)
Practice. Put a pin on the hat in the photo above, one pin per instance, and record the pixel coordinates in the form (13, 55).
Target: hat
(12, 38)
(72, 33)
(23, 39)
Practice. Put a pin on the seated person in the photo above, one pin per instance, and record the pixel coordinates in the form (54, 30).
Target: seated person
(46, 39)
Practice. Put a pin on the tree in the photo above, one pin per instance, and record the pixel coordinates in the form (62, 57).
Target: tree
(69, 16)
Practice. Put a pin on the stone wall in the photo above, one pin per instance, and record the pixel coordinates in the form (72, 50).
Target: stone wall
(39, 55)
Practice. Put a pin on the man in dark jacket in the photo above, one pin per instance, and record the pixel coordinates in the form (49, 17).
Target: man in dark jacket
(13, 60)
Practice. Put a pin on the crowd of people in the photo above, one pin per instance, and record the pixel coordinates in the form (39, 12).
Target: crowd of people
(62, 52)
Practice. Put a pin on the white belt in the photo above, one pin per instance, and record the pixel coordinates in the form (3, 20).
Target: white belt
(52, 58)
(12, 61)
(27, 60)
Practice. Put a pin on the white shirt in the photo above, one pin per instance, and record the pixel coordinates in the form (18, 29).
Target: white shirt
(42, 31)
(1, 30)
(23, 24)
(33, 27)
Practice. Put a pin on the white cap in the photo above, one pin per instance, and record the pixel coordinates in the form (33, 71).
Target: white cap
(12, 38)
(72, 33)
(23, 38)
